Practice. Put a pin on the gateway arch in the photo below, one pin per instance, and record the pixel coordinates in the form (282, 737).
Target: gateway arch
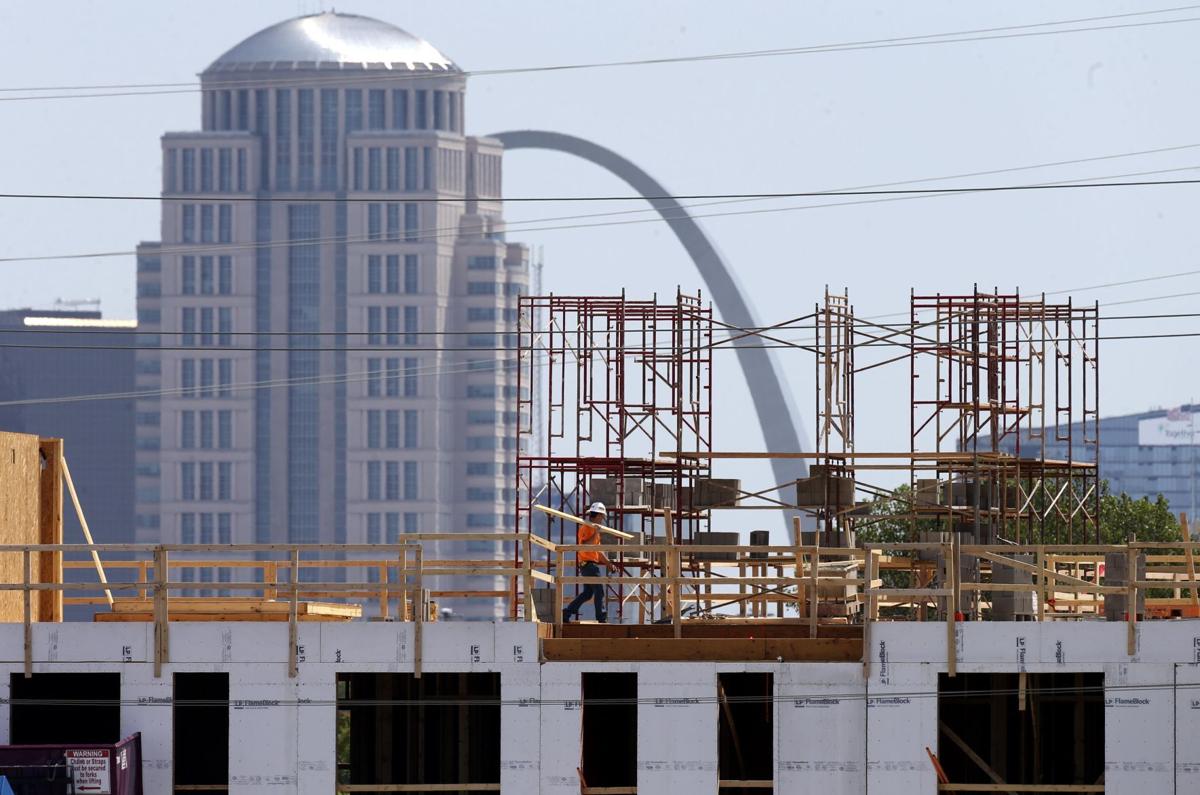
(781, 427)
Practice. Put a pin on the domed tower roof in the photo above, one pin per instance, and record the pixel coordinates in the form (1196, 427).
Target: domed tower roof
(332, 41)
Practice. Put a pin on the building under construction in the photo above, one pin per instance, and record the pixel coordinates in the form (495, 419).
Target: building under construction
(969, 631)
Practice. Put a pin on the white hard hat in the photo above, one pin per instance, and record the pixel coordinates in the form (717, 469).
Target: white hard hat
(598, 507)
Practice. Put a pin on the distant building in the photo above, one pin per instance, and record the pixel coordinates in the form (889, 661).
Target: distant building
(333, 294)
(1146, 454)
(39, 391)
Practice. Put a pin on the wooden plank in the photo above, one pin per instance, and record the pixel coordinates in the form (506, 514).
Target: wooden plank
(20, 508)
(568, 517)
(1020, 788)
(293, 614)
(27, 598)
(966, 749)
(704, 649)
(751, 783)
(87, 534)
(418, 787)
(1186, 532)
(50, 528)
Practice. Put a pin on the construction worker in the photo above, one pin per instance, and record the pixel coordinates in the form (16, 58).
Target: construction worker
(588, 563)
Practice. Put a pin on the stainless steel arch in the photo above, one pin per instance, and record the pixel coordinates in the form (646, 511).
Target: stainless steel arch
(781, 426)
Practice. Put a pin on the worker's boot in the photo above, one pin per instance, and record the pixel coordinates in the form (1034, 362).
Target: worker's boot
(602, 618)
(566, 616)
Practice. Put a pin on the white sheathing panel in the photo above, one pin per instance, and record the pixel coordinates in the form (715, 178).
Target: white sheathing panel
(901, 723)
(148, 707)
(264, 729)
(357, 643)
(316, 713)
(212, 643)
(520, 728)
(821, 729)
(677, 727)
(1187, 728)
(1139, 710)
(79, 642)
(5, 714)
(561, 719)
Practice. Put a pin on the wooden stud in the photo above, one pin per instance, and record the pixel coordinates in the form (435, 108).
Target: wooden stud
(293, 613)
(1131, 601)
(527, 551)
(27, 599)
(1191, 559)
(87, 534)
(50, 529)
(418, 608)
(951, 609)
(161, 614)
(814, 590)
(966, 749)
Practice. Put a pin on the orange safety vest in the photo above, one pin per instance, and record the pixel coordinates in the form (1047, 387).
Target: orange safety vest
(588, 534)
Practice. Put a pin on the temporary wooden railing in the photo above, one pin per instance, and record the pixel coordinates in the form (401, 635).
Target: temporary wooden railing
(1066, 581)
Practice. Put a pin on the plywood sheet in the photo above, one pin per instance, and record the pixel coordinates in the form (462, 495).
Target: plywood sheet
(20, 514)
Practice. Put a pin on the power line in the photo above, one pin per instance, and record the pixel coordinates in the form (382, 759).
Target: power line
(454, 231)
(227, 199)
(952, 37)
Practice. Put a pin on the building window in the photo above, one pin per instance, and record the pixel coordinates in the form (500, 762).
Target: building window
(374, 276)
(374, 222)
(427, 172)
(224, 377)
(241, 169)
(187, 376)
(187, 325)
(373, 536)
(475, 494)
(410, 168)
(392, 314)
(189, 170)
(481, 340)
(329, 138)
(481, 520)
(205, 170)
(411, 265)
(393, 528)
(225, 326)
(411, 324)
(480, 417)
(225, 170)
(206, 537)
(283, 138)
(375, 108)
(481, 288)
(225, 275)
(225, 480)
(410, 428)
(187, 430)
(187, 528)
(481, 468)
(481, 263)
(187, 481)
(224, 531)
(400, 109)
(374, 325)
(187, 223)
(373, 429)
(243, 109)
(206, 378)
(454, 123)
(393, 168)
(306, 139)
(225, 223)
(439, 110)
(410, 378)
(422, 118)
(206, 430)
(481, 390)
(392, 490)
(206, 223)
(374, 169)
(356, 168)
(393, 221)
(353, 110)
(411, 216)
(374, 485)
(393, 429)
(187, 276)
(393, 272)
(225, 429)
(410, 480)
(206, 275)
(374, 378)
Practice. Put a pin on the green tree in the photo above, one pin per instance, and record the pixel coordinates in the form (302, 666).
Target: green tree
(1122, 517)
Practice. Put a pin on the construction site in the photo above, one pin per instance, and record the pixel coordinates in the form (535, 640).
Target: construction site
(947, 617)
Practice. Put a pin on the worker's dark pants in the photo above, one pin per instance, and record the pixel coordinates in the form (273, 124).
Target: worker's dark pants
(593, 592)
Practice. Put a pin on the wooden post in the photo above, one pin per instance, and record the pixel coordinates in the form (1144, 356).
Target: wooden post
(675, 578)
(1191, 559)
(50, 529)
(383, 590)
(162, 614)
(141, 577)
(869, 574)
(28, 604)
(1131, 600)
(814, 584)
(402, 584)
(419, 609)
(527, 553)
(951, 609)
(558, 592)
(1041, 583)
(294, 613)
(87, 534)
(741, 587)
(271, 578)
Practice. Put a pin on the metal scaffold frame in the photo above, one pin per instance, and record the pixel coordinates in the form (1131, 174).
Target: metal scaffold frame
(619, 384)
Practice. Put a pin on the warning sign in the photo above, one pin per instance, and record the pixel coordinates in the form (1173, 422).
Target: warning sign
(91, 770)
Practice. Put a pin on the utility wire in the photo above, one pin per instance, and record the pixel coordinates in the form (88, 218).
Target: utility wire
(952, 37)
(219, 248)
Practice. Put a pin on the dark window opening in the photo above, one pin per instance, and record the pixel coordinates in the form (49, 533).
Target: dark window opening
(745, 745)
(442, 729)
(42, 711)
(987, 736)
(609, 730)
(201, 736)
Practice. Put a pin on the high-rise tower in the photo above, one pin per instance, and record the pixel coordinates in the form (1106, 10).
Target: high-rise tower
(332, 299)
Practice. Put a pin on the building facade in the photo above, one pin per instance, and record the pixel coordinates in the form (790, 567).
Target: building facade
(331, 300)
(1142, 455)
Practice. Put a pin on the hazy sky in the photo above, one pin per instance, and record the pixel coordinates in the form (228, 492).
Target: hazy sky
(794, 123)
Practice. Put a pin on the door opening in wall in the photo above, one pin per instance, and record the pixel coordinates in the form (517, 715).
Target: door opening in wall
(52, 709)
(201, 733)
(441, 729)
(608, 747)
(1022, 728)
(745, 732)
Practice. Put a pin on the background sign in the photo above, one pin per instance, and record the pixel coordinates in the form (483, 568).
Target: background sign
(1177, 428)
(91, 770)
